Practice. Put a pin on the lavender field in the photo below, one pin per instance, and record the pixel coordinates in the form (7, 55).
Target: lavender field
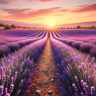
(48, 62)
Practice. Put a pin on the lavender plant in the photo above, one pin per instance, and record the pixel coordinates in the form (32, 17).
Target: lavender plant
(73, 80)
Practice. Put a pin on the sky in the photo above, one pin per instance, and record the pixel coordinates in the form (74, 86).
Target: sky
(48, 11)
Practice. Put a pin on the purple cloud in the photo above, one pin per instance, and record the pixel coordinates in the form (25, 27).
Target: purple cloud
(47, 0)
(43, 0)
(5, 1)
(86, 8)
(27, 13)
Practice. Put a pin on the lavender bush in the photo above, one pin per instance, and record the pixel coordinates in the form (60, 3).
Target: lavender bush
(16, 68)
(12, 46)
(93, 51)
(4, 50)
(73, 80)
(85, 47)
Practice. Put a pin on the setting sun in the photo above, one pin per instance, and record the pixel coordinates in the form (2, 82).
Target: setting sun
(51, 24)
(50, 21)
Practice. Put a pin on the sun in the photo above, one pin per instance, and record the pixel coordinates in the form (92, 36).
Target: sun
(51, 24)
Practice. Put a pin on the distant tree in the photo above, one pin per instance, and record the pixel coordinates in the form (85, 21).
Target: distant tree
(18, 26)
(13, 26)
(6, 27)
(93, 27)
(1, 25)
(23, 27)
(78, 27)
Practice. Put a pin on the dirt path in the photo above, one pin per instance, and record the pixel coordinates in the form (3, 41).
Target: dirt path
(45, 79)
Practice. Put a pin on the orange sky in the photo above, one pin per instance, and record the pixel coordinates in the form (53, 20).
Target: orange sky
(48, 11)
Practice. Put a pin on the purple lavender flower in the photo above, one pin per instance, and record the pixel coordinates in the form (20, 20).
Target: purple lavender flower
(80, 69)
(12, 80)
(76, 78)
(5, 91)
(11, 87)
(82, 94)
(7, 94)
(1, 89)
(92, 90)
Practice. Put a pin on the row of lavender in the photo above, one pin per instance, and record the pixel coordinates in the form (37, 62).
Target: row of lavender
(74, 70)
(16, 68)
(87, 46)
(8, 47)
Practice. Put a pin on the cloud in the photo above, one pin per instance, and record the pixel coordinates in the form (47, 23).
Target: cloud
(9, 1)
(56, 11)
(5, 1)
(28, 13)
(87, 8)
(44, 0)
(16, 11)
(47, 0)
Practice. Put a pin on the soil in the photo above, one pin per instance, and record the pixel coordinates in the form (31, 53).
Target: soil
(44, 80)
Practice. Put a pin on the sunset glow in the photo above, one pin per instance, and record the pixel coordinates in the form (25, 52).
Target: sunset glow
(45, 11)
(50, 22)
(51, 25)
